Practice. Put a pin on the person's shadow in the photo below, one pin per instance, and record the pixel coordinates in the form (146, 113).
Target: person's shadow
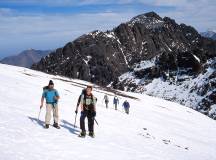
(70, 127)
(35, 120)
(65, 125)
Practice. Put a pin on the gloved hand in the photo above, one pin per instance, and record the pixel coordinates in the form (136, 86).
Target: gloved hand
(94, 113)
(76, 111)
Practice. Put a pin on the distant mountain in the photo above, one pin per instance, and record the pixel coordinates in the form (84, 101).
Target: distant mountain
(25, 58)
(148, 54)
(209, 34)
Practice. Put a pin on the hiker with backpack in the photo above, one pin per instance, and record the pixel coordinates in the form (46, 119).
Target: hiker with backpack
(52, 96)
(106, 100)
(115, 102)
(88, 109)
(126, 106)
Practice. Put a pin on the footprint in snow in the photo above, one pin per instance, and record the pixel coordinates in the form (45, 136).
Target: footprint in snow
(178, 146)
(146, 134)
(186, 148)
(165, 141)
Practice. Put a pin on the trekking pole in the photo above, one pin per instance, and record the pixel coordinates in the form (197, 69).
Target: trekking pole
(75, 121)
(39, 114)
(96, 121)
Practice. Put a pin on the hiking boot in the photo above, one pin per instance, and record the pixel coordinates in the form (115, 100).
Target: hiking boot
(82, 134)
(46, 126)
(56, 125)
(91, 134)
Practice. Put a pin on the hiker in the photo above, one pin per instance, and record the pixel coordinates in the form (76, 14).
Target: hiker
(126, 106)
(88, 109)
(115, 102)
(106, 99)
(52, 96)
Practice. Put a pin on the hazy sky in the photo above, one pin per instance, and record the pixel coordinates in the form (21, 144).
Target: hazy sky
(49, 24)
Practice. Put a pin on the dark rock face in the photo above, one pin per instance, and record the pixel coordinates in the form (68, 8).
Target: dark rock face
(94, 57)
(101, 57)
(25, 58)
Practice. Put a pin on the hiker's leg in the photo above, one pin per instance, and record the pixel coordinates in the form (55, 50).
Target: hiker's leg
(127, 110)
(48, 113)
(90, 123)
(82, 121)
(56, 114)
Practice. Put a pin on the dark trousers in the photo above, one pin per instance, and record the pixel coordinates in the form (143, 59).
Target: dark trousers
(87, 114)
(115, 104)
(106, 102)
(127, 110)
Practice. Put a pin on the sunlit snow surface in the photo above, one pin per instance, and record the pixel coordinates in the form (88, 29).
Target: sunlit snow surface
(155, 129)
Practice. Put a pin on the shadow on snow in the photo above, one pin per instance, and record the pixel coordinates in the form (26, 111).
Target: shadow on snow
(65, 125)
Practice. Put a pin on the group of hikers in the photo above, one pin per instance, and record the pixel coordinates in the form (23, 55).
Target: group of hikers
(86, 102)
(126, 104)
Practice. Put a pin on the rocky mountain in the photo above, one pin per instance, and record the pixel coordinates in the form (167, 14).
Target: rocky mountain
(25, 58)
(209, 34)
(137, 54)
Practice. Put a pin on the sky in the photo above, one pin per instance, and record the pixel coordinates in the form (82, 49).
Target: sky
(50, 24)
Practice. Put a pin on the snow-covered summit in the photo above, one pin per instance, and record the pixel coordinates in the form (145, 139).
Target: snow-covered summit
(150, 20)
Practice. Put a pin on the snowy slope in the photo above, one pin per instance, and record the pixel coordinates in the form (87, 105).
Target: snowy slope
(155, 130)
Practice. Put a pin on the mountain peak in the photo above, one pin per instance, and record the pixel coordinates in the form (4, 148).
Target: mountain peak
(152, 15)
(148, 15)
(150, 20)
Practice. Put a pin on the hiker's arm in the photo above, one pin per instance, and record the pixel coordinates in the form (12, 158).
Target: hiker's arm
(94, 108)
(57, 97)
(81, 106)
(81, 103)
(42, 102)
(94, 101)
(77, 107)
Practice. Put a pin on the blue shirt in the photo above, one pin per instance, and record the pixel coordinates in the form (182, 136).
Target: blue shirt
(50, 95)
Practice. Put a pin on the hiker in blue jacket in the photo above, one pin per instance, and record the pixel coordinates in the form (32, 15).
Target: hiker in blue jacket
(52, 96)
(126, 106)
(115, 102)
